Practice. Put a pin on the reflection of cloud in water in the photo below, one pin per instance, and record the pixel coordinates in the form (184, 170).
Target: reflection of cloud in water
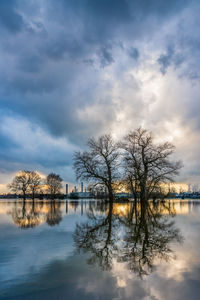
(137, 235)
(31, 214)
(31, 252)
(43, 258)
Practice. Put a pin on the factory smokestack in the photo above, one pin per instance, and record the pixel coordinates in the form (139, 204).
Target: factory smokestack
(66, 189)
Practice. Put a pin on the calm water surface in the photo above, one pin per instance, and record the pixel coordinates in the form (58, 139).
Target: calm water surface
(90, 250)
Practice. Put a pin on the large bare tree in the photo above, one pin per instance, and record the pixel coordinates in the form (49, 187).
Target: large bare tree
(147, 165)
(34, 183)
(54, 185)
(20, 183)
(99, 164)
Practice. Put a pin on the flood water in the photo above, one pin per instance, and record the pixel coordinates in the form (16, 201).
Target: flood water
(92, 250)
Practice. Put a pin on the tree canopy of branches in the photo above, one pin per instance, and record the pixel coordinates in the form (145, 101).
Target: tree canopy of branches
(147, 164)
(20, 183)
(26, 182)
(99, 164)
(54, 185)
(34, 183)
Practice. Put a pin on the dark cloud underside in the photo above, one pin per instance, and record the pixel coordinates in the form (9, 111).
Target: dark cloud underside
(72, 69)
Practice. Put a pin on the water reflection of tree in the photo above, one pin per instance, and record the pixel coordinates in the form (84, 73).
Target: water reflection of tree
(97, 236)
(137, 238)
(31, 214)
(54, 216)
(74, 205)
(149, 233)
(25, 215)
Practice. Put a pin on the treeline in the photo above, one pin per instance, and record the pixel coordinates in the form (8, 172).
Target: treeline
(31, 184)
(136, 164)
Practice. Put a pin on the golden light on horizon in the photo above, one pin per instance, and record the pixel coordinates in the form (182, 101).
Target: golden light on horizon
(121, 209)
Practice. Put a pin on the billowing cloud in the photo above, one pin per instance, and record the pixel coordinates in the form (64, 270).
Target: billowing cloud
(75, 69)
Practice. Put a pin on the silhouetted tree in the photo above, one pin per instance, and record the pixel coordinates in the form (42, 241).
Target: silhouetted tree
(54, 184)
(34, 183)
(99, 164)
(147, 164)
(20, 183)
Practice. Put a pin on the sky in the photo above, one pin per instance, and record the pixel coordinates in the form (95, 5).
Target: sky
(72, 69)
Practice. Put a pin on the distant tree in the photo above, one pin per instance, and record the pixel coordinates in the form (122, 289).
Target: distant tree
(147, 164)
(20, 183)
(99, 165)
(34, 183)
(54, 184)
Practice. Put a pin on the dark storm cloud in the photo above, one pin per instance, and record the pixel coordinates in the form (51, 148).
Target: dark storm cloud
(96, 22)
(31, 64)
(67, 66)
(57, 48)
(106, 57)
(133, 52)
(26, 146)
(168, 59)
(10, 18)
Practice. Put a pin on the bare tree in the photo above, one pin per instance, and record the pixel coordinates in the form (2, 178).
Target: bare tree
(54, 184)
(21, 183)
(99, 164)
(146, 164)
(34, 183)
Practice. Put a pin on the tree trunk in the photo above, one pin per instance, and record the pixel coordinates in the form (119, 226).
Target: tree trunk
(110, 194)
(24, 196)
(109, 217)
(33, 195)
